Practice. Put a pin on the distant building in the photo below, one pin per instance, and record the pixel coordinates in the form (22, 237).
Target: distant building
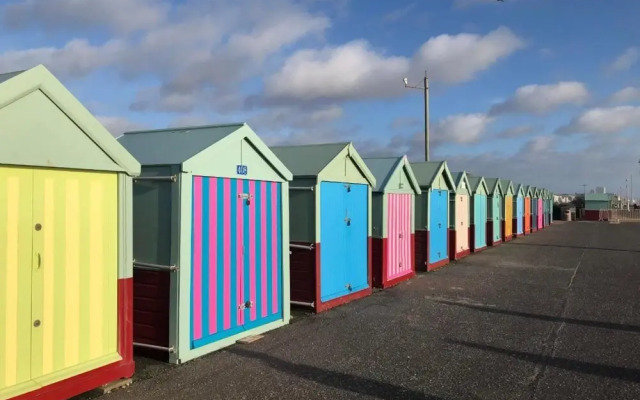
(601, 190)
(598, 201)
(563, 198)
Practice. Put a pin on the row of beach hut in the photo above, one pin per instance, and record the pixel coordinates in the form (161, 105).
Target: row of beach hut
(181, 241)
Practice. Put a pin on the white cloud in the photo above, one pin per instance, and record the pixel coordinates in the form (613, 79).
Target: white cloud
(461, 128)
(626, 60)
(77, 58)
(350, 71)
(540, 99)
(117, 15)
(516, 131)
(459, 58)
(604, 121)
(355, 70)
(118, 125)
(626, 95)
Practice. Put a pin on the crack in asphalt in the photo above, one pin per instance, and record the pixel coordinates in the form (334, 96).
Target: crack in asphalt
(553, 336)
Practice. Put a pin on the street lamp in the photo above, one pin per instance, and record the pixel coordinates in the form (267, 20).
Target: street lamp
(425, 88)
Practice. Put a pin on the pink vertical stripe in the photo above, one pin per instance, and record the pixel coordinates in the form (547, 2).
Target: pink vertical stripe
(398, 235)
(197, 257)
(252, 250)
(263, 247)
(227, 253)
(240, 250)
(213, 256)
(274, 247)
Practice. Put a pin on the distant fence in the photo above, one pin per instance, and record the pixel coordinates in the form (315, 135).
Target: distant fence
(619, 215)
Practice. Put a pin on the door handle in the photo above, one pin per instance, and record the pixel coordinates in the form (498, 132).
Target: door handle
(39, 264)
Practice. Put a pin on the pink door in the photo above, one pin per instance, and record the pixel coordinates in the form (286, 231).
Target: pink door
(462, 223)
(399, 260)
(540, 214)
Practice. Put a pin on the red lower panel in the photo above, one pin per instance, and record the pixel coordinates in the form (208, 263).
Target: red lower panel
(514, 227)
(379, 260)
(151, 302)
(592, 215)
(303, 265)
(490, 241)
(421, 250)
(92, 379)
(472, 237)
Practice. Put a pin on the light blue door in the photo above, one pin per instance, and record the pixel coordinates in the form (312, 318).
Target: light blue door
(480, 221)
(520, 214)
(497, 218)
(438, 225)
(333, 246)
(356, 237)
(343, 244)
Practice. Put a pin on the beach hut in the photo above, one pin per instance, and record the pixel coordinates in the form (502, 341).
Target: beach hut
(478, 229)
(330, 224)
(495, 213)
(432, 214)
(534, 209)
(393, 216)
(549, 202)
(211, 239)
(507, 206)
(539, 209)
(459, 215)
(518, 210)
(527, 210)
(65, 240)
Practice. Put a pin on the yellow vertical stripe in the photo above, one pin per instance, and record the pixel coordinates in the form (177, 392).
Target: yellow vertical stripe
(72, 278)
(96, 268)
(11, 295)
(48, 265)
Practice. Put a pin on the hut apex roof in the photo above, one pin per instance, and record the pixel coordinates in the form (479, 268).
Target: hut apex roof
(308, 160)
(475, 182)
(312, 159)
(174, 145)
(9, 75)
(383, 168)
(491, 183)
(427, 171)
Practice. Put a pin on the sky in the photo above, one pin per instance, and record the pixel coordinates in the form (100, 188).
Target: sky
(543, 92)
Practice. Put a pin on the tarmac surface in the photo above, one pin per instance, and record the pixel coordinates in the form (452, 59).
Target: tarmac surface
(552, 315)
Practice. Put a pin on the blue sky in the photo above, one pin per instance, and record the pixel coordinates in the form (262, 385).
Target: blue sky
(545, 92)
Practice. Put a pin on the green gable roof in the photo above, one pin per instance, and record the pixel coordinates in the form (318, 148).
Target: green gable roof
(311, 160)
(459, 179)
(426, 172)
(476, 183)
(176, 146)
(308, 160)
(74, 138)
(384, 168)
(507, 186)
(493, 185)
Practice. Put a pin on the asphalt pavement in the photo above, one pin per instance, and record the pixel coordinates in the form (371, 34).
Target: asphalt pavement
(552, 315)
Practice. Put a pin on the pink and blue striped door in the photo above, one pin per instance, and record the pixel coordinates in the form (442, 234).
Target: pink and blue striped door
(399, 235)
(236, 257)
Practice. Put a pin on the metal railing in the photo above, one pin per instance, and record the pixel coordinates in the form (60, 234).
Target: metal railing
(617, 215)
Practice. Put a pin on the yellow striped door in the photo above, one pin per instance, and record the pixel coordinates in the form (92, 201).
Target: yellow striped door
(15, 276)
(75, 276)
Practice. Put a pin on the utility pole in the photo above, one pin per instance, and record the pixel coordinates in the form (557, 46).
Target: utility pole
(425, 88)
